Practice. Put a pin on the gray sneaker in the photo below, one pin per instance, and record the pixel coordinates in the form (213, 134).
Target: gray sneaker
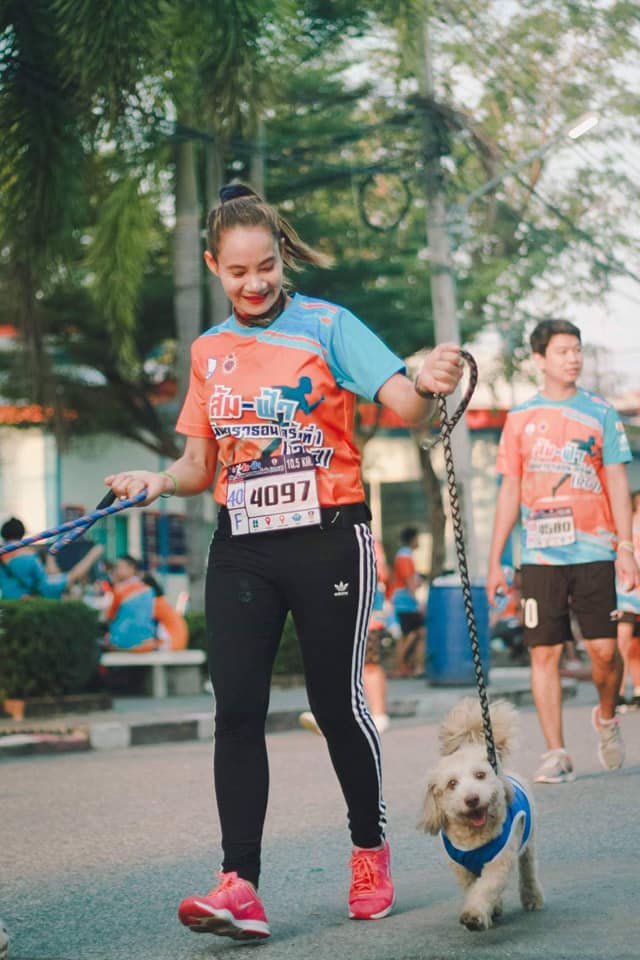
(611, 745)
(556, 767)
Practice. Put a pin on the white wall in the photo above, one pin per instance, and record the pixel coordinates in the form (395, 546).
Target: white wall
(27, 478)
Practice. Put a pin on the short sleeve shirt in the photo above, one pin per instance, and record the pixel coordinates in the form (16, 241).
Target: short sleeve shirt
(24, 575)
(404, 570)
(559, 449)
(289, 388)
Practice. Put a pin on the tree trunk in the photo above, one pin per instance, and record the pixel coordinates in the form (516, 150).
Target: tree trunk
(187, 273)
(218, 303)
(257, 165)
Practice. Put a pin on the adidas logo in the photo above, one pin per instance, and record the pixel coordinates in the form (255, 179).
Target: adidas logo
(341, 589)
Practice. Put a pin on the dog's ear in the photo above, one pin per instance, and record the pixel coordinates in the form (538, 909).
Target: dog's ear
(508, 789)
(433, 819)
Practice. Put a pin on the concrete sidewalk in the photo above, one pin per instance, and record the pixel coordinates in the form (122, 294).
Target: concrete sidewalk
(138, 721)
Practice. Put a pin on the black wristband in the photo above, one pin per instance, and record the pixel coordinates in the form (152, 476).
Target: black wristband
(425, 394)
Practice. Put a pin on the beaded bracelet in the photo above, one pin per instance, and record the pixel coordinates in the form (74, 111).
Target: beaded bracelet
(425, 394)
(626, 545)
(165, 473)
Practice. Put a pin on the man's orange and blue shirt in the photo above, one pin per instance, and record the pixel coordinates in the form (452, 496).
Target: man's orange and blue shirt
(559, 450)
(288, 389)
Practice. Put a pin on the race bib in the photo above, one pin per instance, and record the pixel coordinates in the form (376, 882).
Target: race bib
(279, 493)
(550, 528)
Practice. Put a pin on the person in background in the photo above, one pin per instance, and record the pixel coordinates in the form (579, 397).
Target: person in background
(375, 677)
(22, 573)
(139, 620)
(563, 457)
(271, 402)
(629, 624)
(401, 590)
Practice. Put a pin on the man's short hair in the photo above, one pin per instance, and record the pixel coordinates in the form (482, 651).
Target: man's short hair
(408, 534)
(546, 329)
(127, 558)
(12, 529)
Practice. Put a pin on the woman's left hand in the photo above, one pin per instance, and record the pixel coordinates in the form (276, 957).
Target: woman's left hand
(442, 369)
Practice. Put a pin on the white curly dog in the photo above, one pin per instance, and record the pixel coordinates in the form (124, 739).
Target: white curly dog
(485, 819)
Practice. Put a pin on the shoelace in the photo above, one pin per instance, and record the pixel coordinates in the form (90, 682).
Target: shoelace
(365, 872)
(226, 880)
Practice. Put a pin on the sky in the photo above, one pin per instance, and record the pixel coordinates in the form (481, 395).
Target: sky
(615, 325)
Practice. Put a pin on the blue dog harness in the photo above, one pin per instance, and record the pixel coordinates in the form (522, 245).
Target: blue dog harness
(475, 860)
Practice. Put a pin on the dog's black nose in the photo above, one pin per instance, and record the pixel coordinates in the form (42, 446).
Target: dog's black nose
(472, 800)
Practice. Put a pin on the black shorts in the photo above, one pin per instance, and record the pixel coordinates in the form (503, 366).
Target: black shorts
(410, 621)
(550, 593)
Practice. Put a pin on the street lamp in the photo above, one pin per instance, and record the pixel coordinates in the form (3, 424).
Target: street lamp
(573, 131)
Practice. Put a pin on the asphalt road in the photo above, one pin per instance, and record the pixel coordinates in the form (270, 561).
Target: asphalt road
(97, 849)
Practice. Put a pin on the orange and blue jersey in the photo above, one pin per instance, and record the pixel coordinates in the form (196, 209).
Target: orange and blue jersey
(559, 450)
(140, 621)
(288, 389)
(401, 589)
(131, 620)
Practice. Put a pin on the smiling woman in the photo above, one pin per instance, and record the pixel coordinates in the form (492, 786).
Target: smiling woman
(272, 400)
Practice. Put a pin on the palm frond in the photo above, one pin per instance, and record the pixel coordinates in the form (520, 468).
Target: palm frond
(117, 259)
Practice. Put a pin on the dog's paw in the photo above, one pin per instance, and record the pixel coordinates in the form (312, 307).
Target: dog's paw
(497, 910)
(475, 919)
(532, 899)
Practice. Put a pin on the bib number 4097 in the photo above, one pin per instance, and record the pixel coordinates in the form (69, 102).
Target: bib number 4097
(279, 494)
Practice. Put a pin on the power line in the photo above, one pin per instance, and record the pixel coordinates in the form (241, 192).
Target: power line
(610, 261)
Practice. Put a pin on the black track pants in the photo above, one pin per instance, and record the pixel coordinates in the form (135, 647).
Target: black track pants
(327, 578)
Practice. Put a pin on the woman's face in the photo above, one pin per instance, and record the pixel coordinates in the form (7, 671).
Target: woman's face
(249, 266)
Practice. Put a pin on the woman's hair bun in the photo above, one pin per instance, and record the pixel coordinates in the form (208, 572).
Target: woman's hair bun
(233, 191)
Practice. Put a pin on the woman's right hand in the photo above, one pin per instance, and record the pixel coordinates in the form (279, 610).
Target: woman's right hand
(129, 483)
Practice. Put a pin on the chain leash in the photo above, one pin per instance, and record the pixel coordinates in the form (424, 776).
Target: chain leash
(447, 423)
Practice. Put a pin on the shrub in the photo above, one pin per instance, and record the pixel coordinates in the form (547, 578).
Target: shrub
(47, 647)
(197, 631)
(288, 660)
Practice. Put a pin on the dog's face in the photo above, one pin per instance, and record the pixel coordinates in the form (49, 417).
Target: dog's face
(465, 798)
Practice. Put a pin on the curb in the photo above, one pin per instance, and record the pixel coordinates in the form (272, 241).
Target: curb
(118, 734)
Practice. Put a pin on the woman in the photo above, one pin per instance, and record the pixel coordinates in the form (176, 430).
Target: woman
(271, 400)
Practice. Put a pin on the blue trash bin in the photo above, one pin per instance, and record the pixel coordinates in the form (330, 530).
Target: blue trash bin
(449, 657)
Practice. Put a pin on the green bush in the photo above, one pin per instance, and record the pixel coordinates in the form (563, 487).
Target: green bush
(288, 660)
(47, 647)
(197, 631)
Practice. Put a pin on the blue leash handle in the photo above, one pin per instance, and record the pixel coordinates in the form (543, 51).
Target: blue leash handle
(75, 528)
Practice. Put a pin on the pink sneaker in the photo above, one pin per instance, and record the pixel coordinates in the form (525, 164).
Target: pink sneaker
(371, 896)
(233, 910)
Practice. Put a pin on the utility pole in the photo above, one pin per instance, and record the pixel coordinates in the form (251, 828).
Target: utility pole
(442, 282)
